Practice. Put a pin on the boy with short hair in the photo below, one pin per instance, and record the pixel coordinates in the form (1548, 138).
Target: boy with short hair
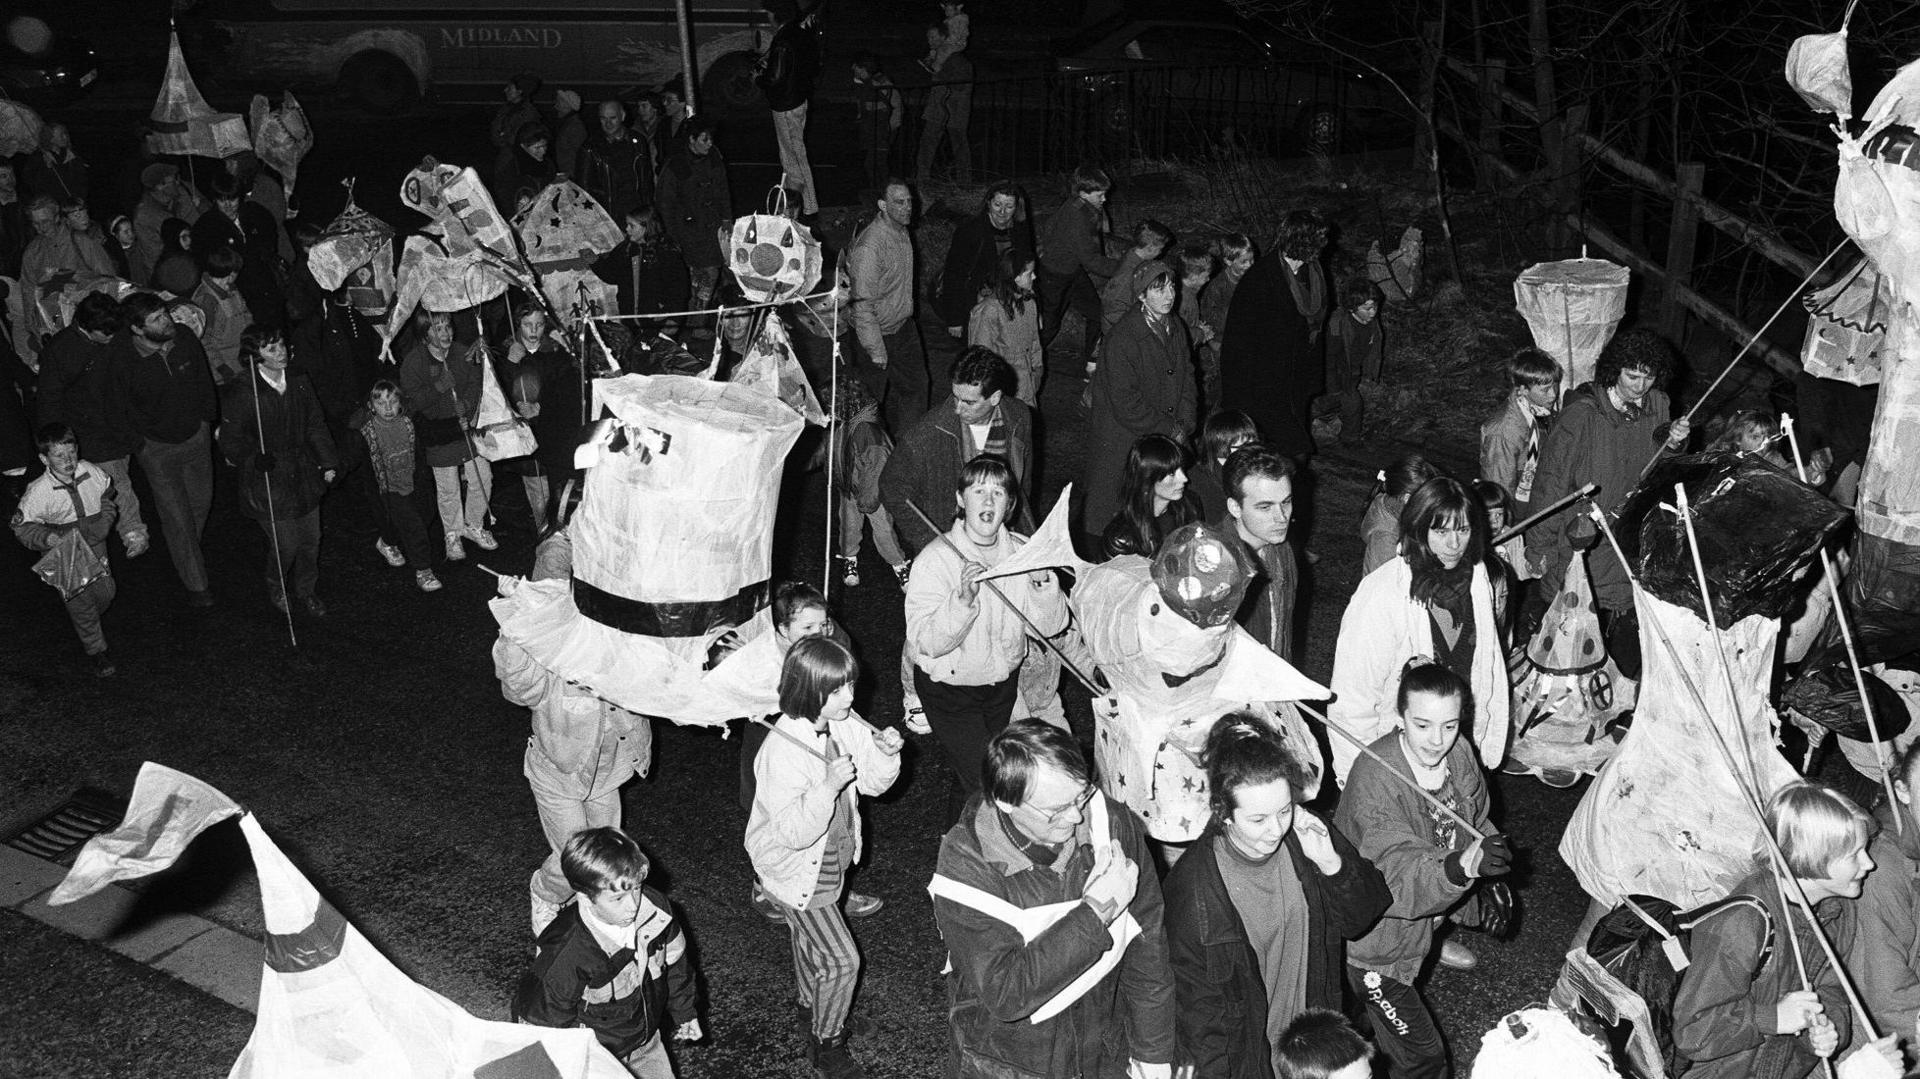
(1356, 347)
(388, 433)
(72, 495)
(1074, 260)
(227, 314)
(1321, 1044)
(1511, 440)
(1150, 240)
(614, 960)
(1196, 270)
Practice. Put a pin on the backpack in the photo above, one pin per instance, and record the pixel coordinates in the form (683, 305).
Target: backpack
(1621, 986)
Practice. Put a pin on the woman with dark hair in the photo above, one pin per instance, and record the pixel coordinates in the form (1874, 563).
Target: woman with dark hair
(1145, 386)
(1260, 908)
(803, 834)
(1155, 499)
(1225, 431)
(176, 272)
(1271, 349)
(979, 243)
(1607, 432)
(1006, 322)
(119, 244)
(1431, 600)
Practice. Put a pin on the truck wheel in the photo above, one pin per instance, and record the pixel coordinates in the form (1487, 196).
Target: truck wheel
(379, 83)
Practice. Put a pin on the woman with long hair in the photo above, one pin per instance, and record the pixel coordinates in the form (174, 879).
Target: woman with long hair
(1433, 599)
(440, 386)
(1006, 321)
(176, 271)
(1259, 909)
(1155, 499)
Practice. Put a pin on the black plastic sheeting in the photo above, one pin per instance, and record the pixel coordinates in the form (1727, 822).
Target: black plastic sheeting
(1759, 530)
(1826, 694)
(1883, 599)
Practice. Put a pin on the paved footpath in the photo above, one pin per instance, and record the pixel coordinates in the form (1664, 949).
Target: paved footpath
(209, 957)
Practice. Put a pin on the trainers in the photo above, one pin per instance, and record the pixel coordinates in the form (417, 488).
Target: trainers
(831, 1060)
(849, 566)
(901, 572)
(391, 553)
(483, 539)
(427, 581)
(102, 665)
(1457, 956)
(455, 552)
(863, 906)
(764, 903)
(916, 721)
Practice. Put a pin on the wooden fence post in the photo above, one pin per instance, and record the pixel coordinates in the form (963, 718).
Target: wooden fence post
(1493, 80)
(1424, 93)
(1681, 235)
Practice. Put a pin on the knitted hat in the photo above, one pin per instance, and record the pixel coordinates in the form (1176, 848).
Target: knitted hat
(1144, 275)
(566, 101)
(1201, 574)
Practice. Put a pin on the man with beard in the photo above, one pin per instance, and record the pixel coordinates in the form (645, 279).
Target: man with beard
(1259, 485)
(163, 382)
(615, 165)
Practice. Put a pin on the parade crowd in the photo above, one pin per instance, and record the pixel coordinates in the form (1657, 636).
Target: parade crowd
(1214, 926)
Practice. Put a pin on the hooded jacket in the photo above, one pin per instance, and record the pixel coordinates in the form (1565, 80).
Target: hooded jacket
(1885, 960)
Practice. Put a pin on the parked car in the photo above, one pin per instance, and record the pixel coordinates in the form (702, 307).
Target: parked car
(1181, 82)
(42, 67)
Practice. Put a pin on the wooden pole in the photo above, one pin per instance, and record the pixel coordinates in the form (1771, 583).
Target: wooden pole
(1011, 606)
(689, 70)
(1569, 499)
(1367, 751)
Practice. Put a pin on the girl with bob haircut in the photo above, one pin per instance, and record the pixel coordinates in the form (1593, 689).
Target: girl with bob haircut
(1155, 499)
(1259, 909)
(1433, 599)
(1740, 1010)
(1006, 321)
(803, 833)
(1223, 432)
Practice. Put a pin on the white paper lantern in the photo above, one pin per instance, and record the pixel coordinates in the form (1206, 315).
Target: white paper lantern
(1572, 307)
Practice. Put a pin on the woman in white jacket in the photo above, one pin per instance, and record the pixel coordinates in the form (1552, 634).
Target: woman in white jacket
(803, 834)
(1432, 600)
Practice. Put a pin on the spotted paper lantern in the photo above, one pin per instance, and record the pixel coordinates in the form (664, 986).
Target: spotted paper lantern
(774, 258)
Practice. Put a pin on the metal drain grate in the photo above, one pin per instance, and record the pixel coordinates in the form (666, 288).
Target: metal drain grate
(59, 835)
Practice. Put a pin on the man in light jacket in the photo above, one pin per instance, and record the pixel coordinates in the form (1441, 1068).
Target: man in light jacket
(891, 359)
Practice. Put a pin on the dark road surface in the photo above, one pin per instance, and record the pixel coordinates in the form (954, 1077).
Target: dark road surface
(383, 759)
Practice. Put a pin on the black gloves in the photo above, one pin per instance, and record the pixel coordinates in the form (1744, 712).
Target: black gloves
(1495, 859)
(1498, 907)
(264, 462)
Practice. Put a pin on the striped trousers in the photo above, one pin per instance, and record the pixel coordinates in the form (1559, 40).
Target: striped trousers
(826, 964)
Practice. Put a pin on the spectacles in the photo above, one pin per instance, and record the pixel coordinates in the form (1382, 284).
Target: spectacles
(1079, 802)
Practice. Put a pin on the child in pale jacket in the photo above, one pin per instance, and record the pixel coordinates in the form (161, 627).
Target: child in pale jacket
(1006, 322)
(803, 833)
(967, 646)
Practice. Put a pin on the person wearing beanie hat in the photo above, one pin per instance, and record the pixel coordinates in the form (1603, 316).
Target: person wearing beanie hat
(569, 131)
(165, 197)
(1145, 385)
(513, 114)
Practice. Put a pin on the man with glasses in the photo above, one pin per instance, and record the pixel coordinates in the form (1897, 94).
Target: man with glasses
(1051, 912)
